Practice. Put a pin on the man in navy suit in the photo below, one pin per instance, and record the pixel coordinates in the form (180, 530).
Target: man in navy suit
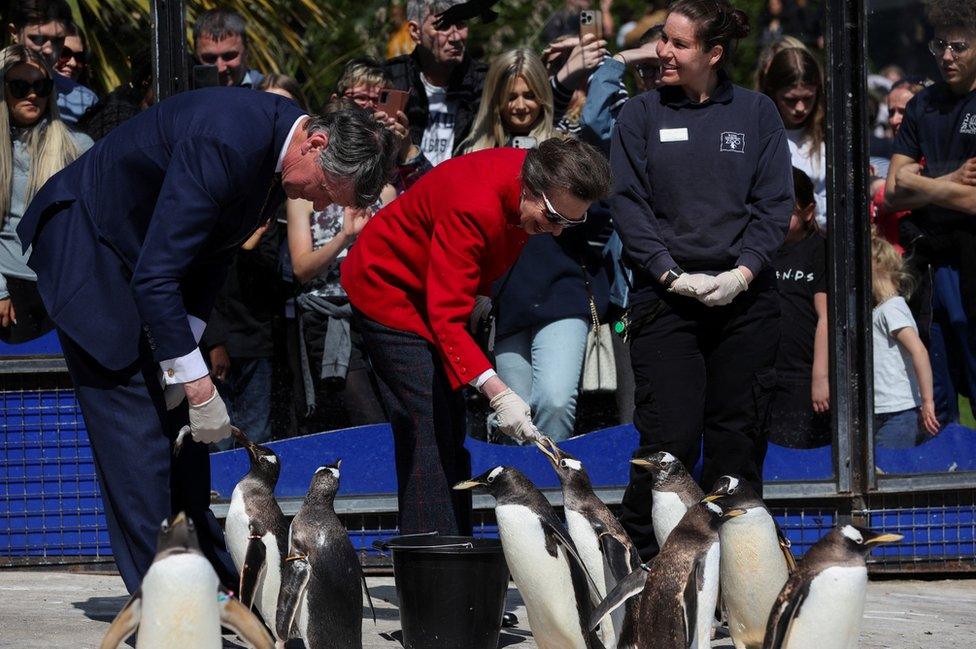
(131, 244)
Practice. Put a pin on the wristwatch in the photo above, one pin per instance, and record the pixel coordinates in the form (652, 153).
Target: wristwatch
(672, 275)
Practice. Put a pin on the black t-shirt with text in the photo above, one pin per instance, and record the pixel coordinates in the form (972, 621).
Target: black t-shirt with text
(801, 271)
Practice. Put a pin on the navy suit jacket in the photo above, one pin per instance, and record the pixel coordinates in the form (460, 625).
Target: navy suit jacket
(140, 230)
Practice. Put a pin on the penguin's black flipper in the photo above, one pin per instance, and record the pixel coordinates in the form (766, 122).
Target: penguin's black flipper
(124, 624)
(626, 588)
(237, 617)
(254, 560)
(557, 534)
(618, 556)
(784, 545)
(785, 610)
(696, 579)
(295, 574)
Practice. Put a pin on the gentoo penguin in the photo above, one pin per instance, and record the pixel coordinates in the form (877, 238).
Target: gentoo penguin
(822, 603)
(672, 493)
(606, 550)
(256, 530)
(756, 561)
(676, 607)
(181, 602)
(321, 598)
(543, 560)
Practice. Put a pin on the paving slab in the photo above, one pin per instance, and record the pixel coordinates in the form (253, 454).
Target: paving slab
(56, 610)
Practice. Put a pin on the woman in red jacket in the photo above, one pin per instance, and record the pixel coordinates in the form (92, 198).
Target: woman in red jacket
(412, 279)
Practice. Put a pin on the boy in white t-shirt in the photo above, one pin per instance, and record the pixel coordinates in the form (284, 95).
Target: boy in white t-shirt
(904, 404)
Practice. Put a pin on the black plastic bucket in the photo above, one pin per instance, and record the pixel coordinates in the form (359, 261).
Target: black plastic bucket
(451, 590)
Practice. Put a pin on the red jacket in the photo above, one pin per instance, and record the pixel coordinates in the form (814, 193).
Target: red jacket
(419, 263)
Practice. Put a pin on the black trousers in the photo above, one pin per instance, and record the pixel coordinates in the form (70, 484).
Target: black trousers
(142, 482)
(428, 420)
(704, 377)
(32, 318)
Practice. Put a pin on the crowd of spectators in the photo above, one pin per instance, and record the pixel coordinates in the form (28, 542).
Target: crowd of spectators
(282, 343)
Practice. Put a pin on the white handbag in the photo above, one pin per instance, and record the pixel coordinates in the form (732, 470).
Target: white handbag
(599, 367)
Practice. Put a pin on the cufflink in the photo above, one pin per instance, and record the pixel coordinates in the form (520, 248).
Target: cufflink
(171, 372)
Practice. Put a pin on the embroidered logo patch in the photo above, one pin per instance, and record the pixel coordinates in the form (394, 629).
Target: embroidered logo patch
(968, 125)
(735, 142)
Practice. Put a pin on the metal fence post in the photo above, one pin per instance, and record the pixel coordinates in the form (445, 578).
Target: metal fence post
(168, 25)
(849, 269)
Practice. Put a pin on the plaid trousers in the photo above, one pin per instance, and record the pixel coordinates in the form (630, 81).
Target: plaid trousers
(428, 420)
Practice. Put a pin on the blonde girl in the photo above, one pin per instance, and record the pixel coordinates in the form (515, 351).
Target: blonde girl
(516, 101)
(904, 403)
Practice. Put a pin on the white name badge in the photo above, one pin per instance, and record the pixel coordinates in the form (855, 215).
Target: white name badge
(674, 135)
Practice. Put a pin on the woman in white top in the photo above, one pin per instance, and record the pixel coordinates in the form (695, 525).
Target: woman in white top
(794, 80)
(904, 402)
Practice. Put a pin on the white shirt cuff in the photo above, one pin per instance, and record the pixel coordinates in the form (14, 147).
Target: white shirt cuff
(191, 366)
(184, 369)
(482, 378)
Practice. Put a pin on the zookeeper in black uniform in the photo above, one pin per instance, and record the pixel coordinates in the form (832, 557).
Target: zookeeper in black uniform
(702, 199)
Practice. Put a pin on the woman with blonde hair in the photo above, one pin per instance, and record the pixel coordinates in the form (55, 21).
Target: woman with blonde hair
(516, 101)
(37, 145)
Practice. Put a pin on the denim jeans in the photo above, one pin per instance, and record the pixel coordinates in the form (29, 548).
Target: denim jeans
(247, 393)
(542, 365)
(896, 429)
(952, 345)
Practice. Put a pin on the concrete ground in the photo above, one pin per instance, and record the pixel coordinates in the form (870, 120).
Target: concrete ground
(58, 610)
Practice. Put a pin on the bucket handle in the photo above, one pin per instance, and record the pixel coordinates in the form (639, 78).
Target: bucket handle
(467, 545)
(383, 545)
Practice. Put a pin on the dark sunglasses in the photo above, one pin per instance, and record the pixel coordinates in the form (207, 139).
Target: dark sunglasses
(67, 54)
(555, 217)
(20, 88)
(937, 47)
(40, 39)
(210, 59)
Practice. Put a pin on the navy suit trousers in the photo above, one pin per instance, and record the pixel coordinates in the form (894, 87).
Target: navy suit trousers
(142, 482)
(428, 420)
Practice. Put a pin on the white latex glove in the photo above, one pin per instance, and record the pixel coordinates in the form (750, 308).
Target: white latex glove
(694, 285)
(174, 395)
(730, 283)
(209, 421)
(514, 417)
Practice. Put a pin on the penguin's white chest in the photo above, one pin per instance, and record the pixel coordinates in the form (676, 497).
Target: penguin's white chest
(237, 528)
(667, 510)
(179, 605)
(707, 599)
(544, 581)
(588, 546)
(753, 572)
(830, 616)
(269, 583)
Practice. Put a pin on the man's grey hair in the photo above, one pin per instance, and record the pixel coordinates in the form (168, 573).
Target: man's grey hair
(218, 24)
(360, 149)
(418, 10)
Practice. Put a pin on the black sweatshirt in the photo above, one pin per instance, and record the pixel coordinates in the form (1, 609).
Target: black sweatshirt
(706, 187)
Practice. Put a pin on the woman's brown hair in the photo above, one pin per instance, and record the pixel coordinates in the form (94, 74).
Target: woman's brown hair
(797, 67)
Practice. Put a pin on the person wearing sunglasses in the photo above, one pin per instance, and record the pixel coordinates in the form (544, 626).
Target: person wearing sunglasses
(412, 278)
(73, 59)
(702, 200)
(220, 39)
(933, 173)
(37, 146)
(42, 26)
